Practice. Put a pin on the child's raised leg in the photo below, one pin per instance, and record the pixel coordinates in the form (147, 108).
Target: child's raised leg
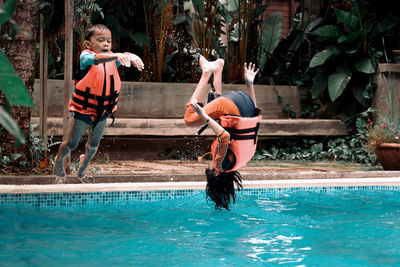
(77, 129)
(217, 82)
(207, 68)
(95, 135)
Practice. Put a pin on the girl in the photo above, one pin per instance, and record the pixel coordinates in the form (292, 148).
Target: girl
(236, 133)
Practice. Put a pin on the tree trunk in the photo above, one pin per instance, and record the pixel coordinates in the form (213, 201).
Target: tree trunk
(22, 58)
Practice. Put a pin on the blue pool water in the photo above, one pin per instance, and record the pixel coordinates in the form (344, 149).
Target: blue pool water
(299, 228)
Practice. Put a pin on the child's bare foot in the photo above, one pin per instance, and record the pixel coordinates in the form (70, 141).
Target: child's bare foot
(81, 171)
(58, 169)
(211, 66)
(206, 66)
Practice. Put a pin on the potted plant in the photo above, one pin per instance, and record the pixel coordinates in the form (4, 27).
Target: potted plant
(383, 138)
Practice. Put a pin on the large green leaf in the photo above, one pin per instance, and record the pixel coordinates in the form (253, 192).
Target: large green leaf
(12, 85)
(351, 38)
(272, 33)
(7, 10)
(319, 84)
(348, 19)
(262, 60)
(324, 55)
(365, 65)
(338, 81)
(328, 31)
(10, 125)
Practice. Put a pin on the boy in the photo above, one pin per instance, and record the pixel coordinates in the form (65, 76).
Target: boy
(94, 98)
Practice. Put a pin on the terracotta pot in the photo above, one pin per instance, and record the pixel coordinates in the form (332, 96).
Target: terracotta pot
(388, 155)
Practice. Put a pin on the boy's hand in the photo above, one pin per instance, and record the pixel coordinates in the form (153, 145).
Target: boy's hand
(136, 61)
(249, 73)
(124, 59)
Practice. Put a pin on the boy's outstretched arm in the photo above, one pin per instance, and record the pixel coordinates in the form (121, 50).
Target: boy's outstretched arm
(123, 58)
(126, 59)
(249, 75)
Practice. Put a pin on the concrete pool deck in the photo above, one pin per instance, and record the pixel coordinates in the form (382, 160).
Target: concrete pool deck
(195, 185)
(184, 173)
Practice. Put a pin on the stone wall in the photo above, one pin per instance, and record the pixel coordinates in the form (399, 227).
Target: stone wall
(167, 100)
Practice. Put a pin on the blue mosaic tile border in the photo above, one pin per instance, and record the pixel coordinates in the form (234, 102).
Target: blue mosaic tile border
(48, 200)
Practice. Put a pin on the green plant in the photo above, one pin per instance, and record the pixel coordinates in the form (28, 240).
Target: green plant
(381, 131)
(11, 84)
(347, 149)
(36, 148)
(207, 26)
(242, 20)
(348, 48)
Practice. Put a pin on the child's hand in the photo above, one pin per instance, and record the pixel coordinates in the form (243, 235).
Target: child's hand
(136, 61)
(249, 73)
(124, 59)
(199, 110)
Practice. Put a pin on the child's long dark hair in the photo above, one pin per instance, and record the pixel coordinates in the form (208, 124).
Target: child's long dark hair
(221, 188)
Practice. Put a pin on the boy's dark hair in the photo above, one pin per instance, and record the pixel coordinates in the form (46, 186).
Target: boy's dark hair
(221, 188)
(97, 27)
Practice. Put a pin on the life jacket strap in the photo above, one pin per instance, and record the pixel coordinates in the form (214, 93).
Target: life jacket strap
(88, 105)
(234, 133)
(113, 96)
(199, 132)
(88, 95)
(242, 131)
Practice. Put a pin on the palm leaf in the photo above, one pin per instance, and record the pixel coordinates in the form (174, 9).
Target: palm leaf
(7, 10)
(272, 32)
(12, 85)
(10, 125)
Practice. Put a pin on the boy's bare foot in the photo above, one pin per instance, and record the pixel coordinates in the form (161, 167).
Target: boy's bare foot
(58, 169)
(81, 172)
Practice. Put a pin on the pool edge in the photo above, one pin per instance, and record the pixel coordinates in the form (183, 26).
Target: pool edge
(197, 185)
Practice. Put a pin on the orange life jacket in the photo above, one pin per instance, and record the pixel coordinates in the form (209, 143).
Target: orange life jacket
(97, 92)
(243, 139)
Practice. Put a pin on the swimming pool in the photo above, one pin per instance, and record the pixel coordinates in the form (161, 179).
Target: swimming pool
(298, 226)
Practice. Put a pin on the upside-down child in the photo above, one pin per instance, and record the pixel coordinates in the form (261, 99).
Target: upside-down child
(236, 132)
(95, 96)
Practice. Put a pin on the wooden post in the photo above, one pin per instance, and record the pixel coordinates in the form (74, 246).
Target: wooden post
(43, 88)
(69, 15)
